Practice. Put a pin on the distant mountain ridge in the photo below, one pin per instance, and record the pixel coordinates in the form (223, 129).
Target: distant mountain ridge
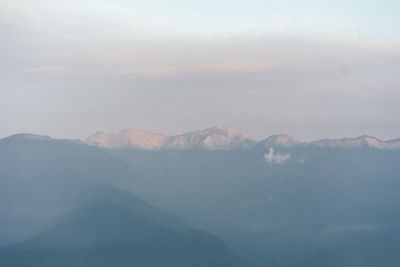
(345, 143)
(215, 138)
(222, 138)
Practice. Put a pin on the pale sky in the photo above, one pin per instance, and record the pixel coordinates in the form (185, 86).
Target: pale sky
(310, 69)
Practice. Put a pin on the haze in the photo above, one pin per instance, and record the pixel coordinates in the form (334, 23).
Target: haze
(310, 69)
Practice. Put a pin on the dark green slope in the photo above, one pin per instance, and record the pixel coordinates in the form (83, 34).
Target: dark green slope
(40, 176)
(100, 232)
(103, 193)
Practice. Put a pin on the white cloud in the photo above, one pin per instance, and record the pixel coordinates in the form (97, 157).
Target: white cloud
(276, 158)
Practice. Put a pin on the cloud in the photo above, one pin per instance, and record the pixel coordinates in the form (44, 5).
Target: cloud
(276, 158)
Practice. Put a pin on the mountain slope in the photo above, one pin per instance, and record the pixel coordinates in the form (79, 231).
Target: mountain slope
(99, 232)
(39, 176)
(104, 193)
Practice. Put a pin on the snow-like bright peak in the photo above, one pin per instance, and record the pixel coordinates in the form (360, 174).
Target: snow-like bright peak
(129, 138)
(358, 142)
(215, 138)
(281, 140)
(361, 141)
(222, 138)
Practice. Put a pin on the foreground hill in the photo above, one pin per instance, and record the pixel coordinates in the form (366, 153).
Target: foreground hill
(39, 176)
(110, 227)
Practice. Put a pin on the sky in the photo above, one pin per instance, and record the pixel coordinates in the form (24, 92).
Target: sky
(310, 69)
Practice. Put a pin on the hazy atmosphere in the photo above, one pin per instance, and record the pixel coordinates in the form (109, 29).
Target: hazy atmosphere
(310, 69)
(200, 133)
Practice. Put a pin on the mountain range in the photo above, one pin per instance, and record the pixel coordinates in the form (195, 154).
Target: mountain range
(214, 138)
(220, 138)
(279, 202)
